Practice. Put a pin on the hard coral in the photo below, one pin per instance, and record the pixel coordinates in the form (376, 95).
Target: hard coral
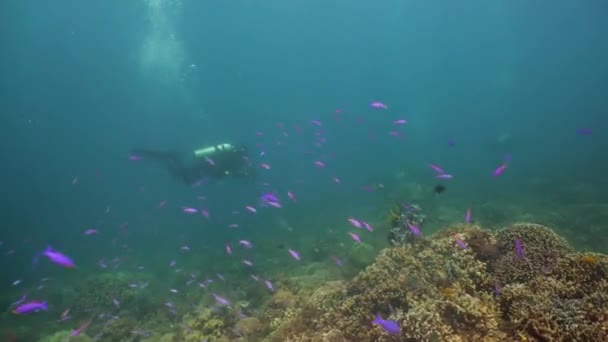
(542, 249)
(570, 304)
(402, 285)
(436, 290)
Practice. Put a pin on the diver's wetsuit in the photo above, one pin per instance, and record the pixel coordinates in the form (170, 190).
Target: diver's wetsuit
(214, 162)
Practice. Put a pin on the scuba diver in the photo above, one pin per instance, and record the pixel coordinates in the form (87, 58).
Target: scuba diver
(217, 161)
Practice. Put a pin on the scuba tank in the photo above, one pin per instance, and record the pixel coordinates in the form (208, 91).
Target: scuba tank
(208, 151)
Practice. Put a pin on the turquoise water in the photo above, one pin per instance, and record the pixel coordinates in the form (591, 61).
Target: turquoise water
(84, 83)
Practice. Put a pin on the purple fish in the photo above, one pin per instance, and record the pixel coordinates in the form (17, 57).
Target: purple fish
(337, 261)
(467, 216)
(29, 307)
(58, 258)
(444, 176)
(378, 105)
(414, 229)
(80, 329)
(499, 170)
(497, 288)
(221, 300)
(459, 241)
(356, 223)
(294, 254)
(269, 285)
(391, 327)
(519, 249)
(355, 237)
(585, 131)
(437, 168)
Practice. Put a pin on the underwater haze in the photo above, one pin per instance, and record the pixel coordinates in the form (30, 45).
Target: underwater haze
(489, 112)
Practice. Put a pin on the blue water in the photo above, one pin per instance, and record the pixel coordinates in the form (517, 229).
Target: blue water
(78, 91)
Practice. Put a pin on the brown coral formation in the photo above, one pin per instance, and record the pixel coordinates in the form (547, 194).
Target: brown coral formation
(542, 249)
(438, 291)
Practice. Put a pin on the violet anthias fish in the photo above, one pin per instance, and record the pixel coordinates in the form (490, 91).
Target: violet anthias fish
(467, 216)
(499, 170)
(189, 210)
(29, 307)
(356, 223)
(414, 229)
(378, 105)
(391, 327)
(58, 258)
(80, 329)
(437, 168)
(519, 249)
(269, 285)
(294, 254)
(459, 241)
(221, 300)
(355, 237)
(444, 176)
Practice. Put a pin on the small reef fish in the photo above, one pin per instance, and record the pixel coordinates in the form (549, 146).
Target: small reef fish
(80, 329)
(228, 249)
(368, 226)
(519, 249)
(251, 209)
(269, 285)
(356, 223)
(444, 176)
(58, 258)
(467, 216)
(460, 242)
(91, 231)
(221, 300)
(414, 229)
(355, 237)
(436, 168)
(291, 196)
(499, 170)
(378, 105)
(245, 243)
(189, 210)
(337, 261)
(29, 307)
(65, 315)
(400, 122)
(391, 327)
(319, 164)
(294, 254)
(497, 288)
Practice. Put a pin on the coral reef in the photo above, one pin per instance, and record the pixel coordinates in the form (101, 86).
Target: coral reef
(542, 249)
(438, 289)
(570, 304)
(206, 323)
